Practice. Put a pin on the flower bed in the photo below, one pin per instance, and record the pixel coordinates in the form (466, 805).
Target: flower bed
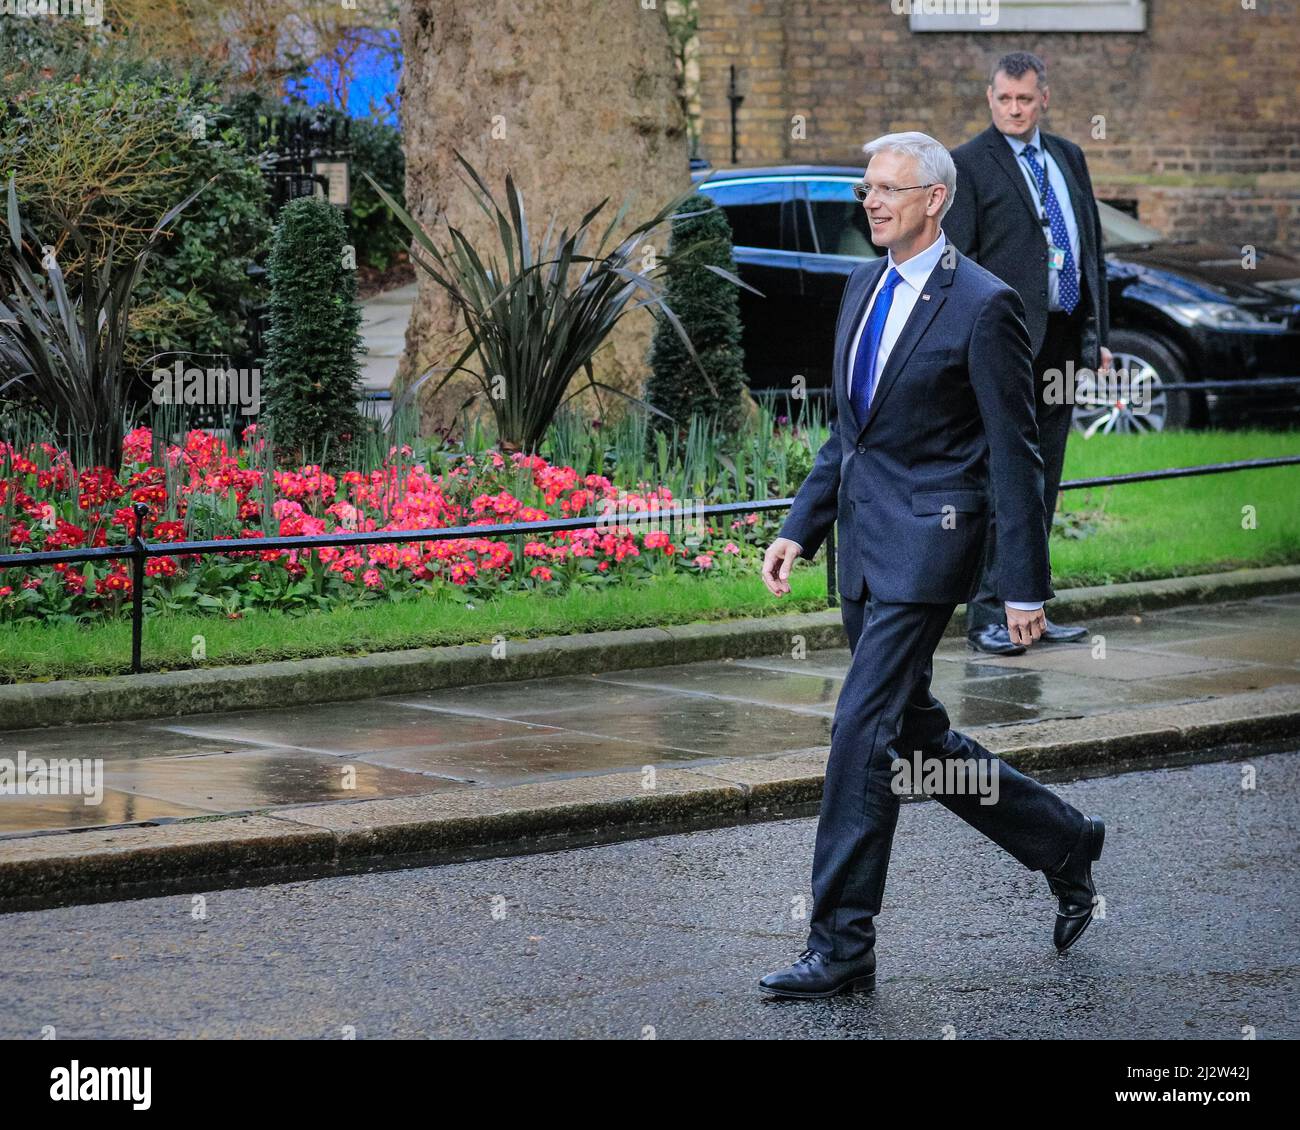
(203, 490)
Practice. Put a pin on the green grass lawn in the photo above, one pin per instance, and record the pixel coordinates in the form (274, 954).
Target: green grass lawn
(68, 650)
(1141, 531)
(1182, 526)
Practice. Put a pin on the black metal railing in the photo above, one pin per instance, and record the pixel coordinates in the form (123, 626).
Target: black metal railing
(138, 551)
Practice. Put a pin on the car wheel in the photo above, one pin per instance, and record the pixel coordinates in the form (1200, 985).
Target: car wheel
(1133, 399)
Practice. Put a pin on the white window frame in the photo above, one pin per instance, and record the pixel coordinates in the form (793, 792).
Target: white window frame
(1024, 15)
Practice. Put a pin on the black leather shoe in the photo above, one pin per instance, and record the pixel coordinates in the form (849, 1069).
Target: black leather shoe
(995, 639)
(1060, 633)
(813, 974)
(1072, 885)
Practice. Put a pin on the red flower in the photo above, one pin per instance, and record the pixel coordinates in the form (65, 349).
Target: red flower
(169, 531)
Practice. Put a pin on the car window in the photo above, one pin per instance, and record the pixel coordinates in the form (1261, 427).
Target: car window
(839, 220)
(1118, 228)
(754, 210)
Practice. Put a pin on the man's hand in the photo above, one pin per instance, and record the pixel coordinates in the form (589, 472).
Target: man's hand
(1025, 627)
(777, 562)
(1107, 360)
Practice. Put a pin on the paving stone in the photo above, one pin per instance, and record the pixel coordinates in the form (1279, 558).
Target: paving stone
(536, 757)
(349, 727)
(1118, 662)
(110, 740)
(824, 662)
(236, 782)
(1269, 647)
(736, 682)
(26, 814)
(710, 727)
(1240, 680)
(527, 697)
(1048, 694)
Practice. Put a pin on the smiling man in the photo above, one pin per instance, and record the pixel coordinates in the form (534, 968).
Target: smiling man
(932, 427)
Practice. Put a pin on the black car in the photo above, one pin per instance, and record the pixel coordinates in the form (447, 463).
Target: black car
(1180, 311)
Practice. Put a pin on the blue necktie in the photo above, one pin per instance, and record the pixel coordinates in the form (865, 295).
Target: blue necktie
(1067, 282)
(864, 364)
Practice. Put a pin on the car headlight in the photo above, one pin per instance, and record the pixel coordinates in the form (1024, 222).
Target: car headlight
(1221, 316)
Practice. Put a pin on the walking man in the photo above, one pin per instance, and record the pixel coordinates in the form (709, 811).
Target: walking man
(932, 426)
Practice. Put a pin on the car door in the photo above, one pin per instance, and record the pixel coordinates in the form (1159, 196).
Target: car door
(833, 236)
(760, 210)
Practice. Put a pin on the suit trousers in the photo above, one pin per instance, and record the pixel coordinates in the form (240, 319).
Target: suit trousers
(885, 710)
(1062, 345)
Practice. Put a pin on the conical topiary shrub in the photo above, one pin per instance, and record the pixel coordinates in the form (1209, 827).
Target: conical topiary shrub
(708, 306)
(312, 375)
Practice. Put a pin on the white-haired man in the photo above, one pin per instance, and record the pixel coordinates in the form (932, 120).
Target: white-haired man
(932, 424)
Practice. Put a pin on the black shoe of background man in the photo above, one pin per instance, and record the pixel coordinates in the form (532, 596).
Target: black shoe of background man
(1061, 633)
(994, 639)
(814, 975)
(1073, 887)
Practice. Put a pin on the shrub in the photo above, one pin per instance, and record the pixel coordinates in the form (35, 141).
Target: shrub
(312, 374)
(110, 154)
(62, 352)
(709, 310)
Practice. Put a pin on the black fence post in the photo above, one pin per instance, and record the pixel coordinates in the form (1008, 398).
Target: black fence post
(832, 596)
(137, 588)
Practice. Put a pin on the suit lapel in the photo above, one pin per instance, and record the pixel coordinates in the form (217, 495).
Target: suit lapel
(855, 307)
(1071, 183)
(1006, 160)
(932, 296)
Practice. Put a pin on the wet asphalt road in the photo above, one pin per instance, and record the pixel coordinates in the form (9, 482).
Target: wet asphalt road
(666, 937)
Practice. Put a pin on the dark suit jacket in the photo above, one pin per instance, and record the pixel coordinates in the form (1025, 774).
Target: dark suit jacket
(993, 220)
(952, 416)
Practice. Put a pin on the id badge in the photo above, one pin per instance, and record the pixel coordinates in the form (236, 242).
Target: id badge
(1055, 258)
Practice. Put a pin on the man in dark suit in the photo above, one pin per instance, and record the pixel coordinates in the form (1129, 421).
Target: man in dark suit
(1026, 212)
(932, 424)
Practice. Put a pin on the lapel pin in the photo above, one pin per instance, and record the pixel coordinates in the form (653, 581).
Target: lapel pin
(925, 298)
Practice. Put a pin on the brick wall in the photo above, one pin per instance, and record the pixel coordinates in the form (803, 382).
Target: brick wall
(1200, 110)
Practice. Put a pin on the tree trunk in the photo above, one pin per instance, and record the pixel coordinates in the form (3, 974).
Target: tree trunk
(578, 101)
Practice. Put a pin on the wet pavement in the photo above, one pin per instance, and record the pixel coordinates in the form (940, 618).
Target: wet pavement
(666, 937)
(577, 724)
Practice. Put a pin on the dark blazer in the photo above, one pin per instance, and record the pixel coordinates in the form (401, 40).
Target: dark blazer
(993, 220)
(952, 416)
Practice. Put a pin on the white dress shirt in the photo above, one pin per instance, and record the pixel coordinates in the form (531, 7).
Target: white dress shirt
(1056, 179)
(915, 273)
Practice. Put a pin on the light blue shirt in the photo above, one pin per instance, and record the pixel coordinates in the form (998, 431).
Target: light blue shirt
(915, 273)
(1057, 180)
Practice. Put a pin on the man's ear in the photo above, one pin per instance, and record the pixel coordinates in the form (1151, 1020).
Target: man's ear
(1046, 93)
(933, 206)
